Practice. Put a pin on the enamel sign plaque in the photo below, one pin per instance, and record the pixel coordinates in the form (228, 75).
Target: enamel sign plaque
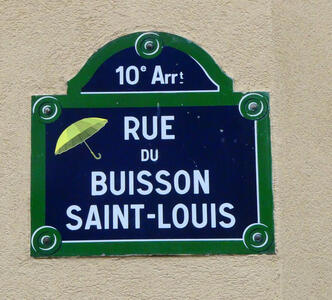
(151, 152)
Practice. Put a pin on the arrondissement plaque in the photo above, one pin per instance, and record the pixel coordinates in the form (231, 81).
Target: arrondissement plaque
(151, 152)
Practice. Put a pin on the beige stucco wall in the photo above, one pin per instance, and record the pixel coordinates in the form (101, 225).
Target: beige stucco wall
(278, 46)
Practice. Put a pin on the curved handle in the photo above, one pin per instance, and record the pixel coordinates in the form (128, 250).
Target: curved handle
(94, 155)
(98, 156)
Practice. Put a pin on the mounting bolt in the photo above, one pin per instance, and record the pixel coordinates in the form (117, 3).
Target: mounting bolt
(46, 240)
(149, 45)
(46, 110)
(253, 106)
(258, 237)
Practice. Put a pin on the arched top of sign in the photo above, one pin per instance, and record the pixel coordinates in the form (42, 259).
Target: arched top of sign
(150, 62)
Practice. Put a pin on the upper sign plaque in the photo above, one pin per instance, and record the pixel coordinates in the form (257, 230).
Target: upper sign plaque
(151, 152)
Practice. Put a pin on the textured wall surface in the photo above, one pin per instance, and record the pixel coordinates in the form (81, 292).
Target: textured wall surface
(279, 46)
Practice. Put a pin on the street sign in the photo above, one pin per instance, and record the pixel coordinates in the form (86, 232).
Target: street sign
(151, 152)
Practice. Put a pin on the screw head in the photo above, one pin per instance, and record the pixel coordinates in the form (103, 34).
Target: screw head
(46, 240)
(46, 110)
(258, 237)
(253, 106)
(149, 45)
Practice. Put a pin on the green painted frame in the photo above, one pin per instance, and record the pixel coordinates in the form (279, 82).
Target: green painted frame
(226, 96)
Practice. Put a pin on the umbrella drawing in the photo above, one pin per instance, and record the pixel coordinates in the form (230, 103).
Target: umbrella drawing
(77, 133)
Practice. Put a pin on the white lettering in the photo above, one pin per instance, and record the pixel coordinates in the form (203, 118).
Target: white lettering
(137, 208)
(70, 215)
(145, 182)
(165, 127)
(157, 75)
(200, 182)
(130, 130)
(93, 218)
(186, 187)
(122, 183)
(164, 182)
(226, 215)
(175, 219)
(98, 182)
(161, 223)
(194, 215)
(118, 215)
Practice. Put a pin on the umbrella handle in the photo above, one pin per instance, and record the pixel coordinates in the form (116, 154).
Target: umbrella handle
(98, 156)
(93, 154)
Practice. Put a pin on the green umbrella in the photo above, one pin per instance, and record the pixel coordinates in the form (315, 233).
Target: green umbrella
(77, 133)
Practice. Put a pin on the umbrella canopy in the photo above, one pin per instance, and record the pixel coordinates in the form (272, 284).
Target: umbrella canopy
(78, 133)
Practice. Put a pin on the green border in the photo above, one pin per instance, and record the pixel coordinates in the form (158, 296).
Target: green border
(74, 99)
